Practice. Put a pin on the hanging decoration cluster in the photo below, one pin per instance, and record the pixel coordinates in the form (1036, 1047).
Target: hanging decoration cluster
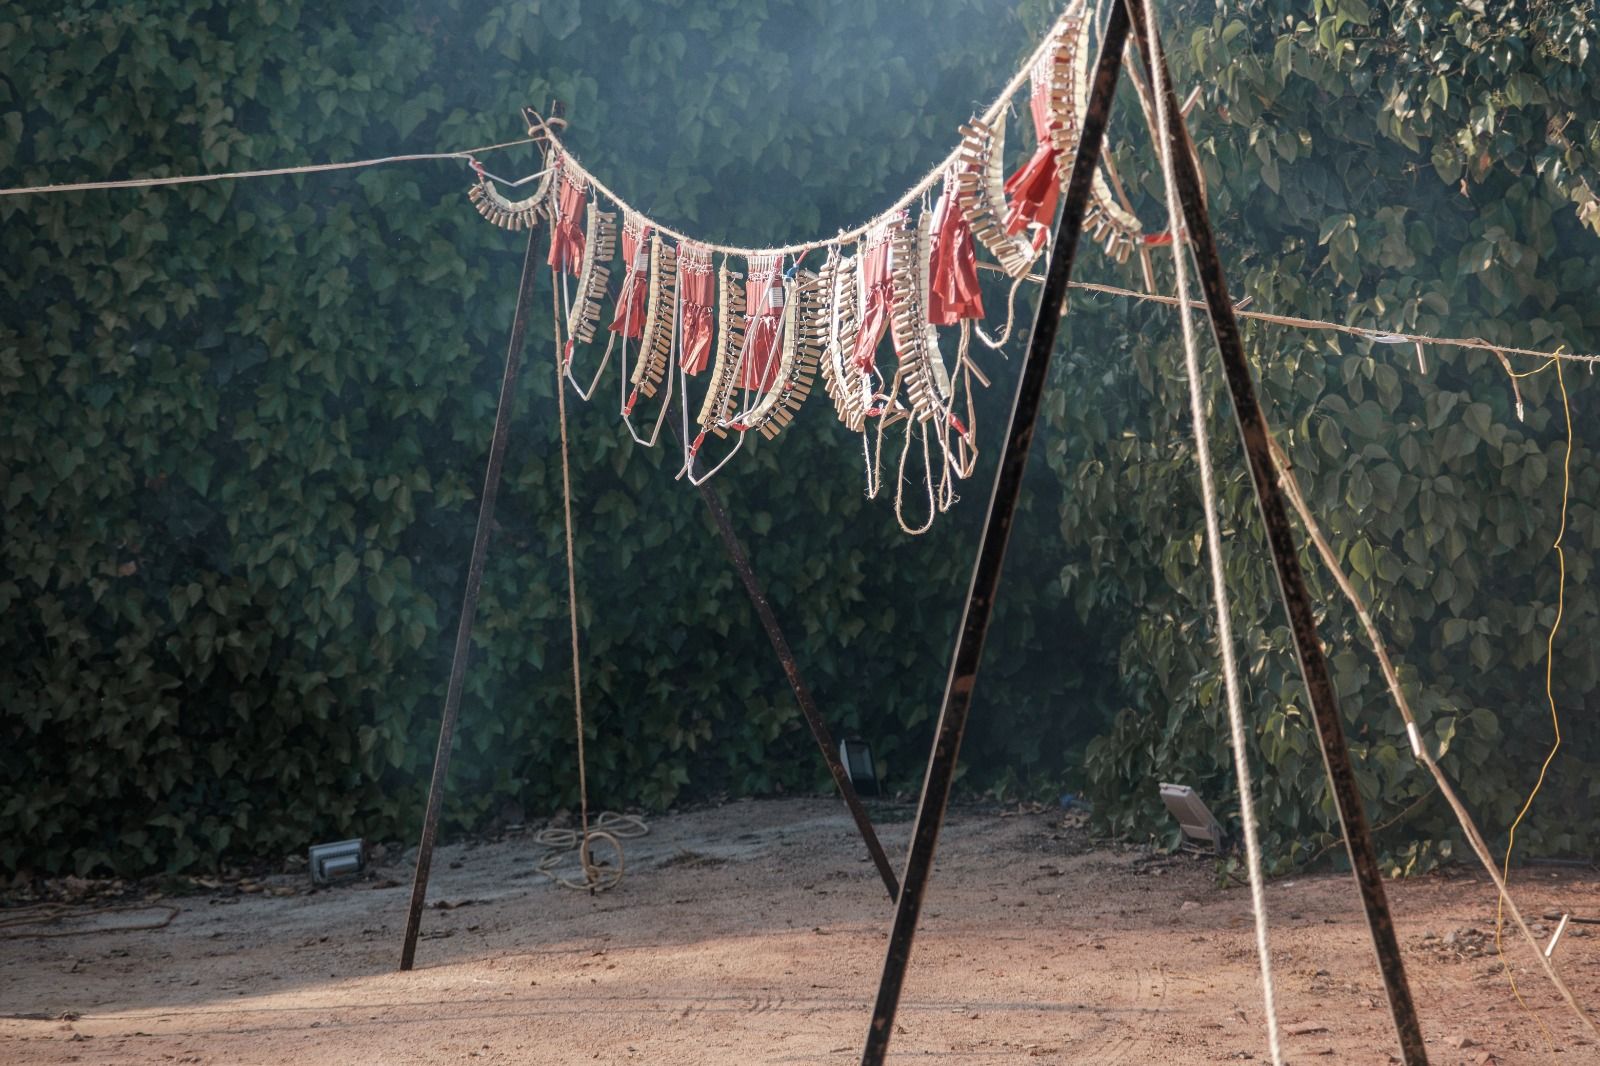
(765, 325)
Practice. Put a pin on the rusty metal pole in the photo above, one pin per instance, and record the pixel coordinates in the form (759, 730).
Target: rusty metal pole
(992, 547)
(469, 599)
(1285, 553)
(802, 695)
(469, 607)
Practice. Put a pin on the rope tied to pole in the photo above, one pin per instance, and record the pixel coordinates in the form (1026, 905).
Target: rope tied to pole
(609, 828)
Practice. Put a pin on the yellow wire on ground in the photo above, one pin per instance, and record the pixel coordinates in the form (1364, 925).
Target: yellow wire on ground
(1549, 680)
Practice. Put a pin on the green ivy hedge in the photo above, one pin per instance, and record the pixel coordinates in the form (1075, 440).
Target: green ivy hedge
(244, 424)
(1418, 166)
(245, 427)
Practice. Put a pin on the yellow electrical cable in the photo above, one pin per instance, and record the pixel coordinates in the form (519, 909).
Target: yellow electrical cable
(1549, 685)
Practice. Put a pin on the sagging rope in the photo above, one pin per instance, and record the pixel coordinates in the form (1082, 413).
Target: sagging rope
(609, 827)
(1161, 135)
(1377, 336)
(921, 188)
(547, 130)
(310, 168)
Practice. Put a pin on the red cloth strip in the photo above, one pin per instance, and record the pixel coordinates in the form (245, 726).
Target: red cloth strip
(953, 292)
(697, 289)
(631, 298)
(877, 290)
(1034, 189)
(763, 301)
(566, 229)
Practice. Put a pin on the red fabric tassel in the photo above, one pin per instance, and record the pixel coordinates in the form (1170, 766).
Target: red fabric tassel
(1034, 189)
(953, 292)
(877, 290)
(763, 301)
(566, 229)
(697, 290)
(635, 291)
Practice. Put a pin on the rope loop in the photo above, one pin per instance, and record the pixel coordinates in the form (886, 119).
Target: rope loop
(608, 828)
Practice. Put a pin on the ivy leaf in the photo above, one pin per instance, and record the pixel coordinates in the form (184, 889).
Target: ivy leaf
(345, 565)
(1361, 558)
(1439, 90)
(1328, 436)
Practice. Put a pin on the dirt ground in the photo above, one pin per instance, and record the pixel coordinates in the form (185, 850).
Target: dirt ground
(754, 933)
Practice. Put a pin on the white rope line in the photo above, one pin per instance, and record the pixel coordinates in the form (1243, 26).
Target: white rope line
(594, 383)
(312, 168)
(547, 133)
(843, 237)
(1161, 136)
(1377, 336)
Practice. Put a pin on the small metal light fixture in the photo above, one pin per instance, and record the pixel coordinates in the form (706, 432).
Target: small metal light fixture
(1192, 815)
(335, 862)
(859, 767)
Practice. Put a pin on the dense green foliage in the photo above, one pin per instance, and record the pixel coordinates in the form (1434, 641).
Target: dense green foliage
(244, 424)
(1411, 166)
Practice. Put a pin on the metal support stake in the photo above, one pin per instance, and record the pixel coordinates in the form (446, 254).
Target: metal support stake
(996, 532)
(469, 603)
(1280, 538)
(791, 669)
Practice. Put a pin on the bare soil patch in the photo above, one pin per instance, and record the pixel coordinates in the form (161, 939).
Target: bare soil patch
(754, 933)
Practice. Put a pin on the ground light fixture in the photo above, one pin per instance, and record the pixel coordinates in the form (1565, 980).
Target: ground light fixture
(337, 861)
(859, 767)
(1192, 815)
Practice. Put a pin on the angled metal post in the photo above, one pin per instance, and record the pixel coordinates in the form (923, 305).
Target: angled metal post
(791, 669)
(992, 546)
(480, 550)
(1285, 558)
(469, 604)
